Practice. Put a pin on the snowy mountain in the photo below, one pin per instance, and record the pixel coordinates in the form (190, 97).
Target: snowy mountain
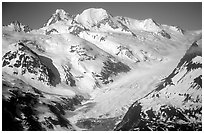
(17, 26)
(83, 72)
(175, 104)
(59, 15)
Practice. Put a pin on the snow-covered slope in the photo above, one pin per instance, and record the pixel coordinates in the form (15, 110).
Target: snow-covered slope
(148, 25)
(59, 15)
(25, 107)
(113, 34)
(91, 17)
(20, 60)
(176, 103)
(100, 20)
(17, 27)
(65, 58)
(91, 58)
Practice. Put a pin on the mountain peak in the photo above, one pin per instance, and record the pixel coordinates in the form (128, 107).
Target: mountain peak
(59, 15)
(92, 16)
(16, 22)
(151, 21)
(61, 12)
(95, 11)
(18, 27)
(150, 25)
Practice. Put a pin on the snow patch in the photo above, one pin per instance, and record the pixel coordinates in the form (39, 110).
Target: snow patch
(197, 60)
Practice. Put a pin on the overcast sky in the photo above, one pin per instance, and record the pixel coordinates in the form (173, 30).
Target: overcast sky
(186, 15)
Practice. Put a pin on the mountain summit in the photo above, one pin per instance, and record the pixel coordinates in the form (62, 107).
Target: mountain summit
(93, 71)
(92, 16)
(59, 15)
(18, 27)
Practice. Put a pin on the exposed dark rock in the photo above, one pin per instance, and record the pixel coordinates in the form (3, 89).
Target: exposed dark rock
(51, 31)
(30, 62)
(165, 34)
(112, 68)
(18, 27)
(76, 30)
(20, 109)
(109, 21)
(93, 124)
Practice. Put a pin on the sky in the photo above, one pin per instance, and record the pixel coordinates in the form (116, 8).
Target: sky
(187, 15)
